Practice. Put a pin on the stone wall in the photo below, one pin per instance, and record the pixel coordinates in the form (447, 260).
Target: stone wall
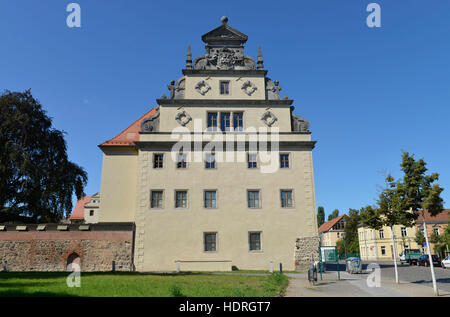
(50, 251)
(306, 250)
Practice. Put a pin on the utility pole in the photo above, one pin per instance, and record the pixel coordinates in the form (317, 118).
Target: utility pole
(394, 249)
(433, 276)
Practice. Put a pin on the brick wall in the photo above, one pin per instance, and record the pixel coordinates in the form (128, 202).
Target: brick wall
(49, 251)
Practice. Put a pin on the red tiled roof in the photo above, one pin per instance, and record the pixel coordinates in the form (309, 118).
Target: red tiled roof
(130, 135)
(78, 211)
(443, 216)
(329, 224)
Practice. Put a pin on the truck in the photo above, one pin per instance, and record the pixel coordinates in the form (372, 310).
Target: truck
(410, 256)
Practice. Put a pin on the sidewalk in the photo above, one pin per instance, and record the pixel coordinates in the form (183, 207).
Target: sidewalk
(354, 285)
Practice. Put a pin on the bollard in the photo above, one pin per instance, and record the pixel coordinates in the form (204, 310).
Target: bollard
(271, 267)
(178, 266)
(113, 266)
(281, 268)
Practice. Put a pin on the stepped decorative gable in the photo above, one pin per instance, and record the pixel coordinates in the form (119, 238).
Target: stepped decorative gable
(225, 55)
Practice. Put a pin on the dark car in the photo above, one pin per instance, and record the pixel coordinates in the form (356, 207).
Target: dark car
(424, 260)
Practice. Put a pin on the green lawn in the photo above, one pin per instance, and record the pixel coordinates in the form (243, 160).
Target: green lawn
(139, 285)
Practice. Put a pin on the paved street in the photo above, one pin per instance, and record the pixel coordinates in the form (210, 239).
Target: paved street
(416, 274)
(414, 281)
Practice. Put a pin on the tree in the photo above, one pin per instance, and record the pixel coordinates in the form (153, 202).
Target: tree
(420, 193)
(37, 181)
(391, 211)
(320, 216)
(333, 215)
(352, 220)
(444, 242)
(420, 238)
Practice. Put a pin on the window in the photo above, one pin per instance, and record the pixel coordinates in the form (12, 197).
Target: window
(381, 234)
(383, 250)
(212, 121)
(253, 199)
(158, 160)
(252, 160)
(210, 161)
(156, 199)
(224, 87)
(91, 213)
(254, 239)
(225, 121)
(436, 230)
(284, 160)
(210, 241)
(181, 199)
(238, 121)
(286, 198)
(210, 199)
(181, 160)
(404, 234)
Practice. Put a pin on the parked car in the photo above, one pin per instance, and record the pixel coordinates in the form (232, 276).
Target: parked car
(446, 263)
(423, 260)
(409, 256)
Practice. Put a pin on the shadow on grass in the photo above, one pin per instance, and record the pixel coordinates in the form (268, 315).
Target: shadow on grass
(20, 293)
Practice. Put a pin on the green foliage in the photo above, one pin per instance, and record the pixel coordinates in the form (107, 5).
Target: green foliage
(37, 180)
(320, 216)
(333, 215)
(420, 238)
(435, 238)
(415, 191)
(417, 188)
(352, 220)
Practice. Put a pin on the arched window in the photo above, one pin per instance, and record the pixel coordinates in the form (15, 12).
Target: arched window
(73, 258)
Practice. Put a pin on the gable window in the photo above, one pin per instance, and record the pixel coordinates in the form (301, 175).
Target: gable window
(210, 161)
(252, 160)
(225, 121)
(224, 87)
(381, 234)
(286, 198)
(212, 121)
(238, 121)
(210, 241)
(284, 160)
(404, 234)
(156, 199)
(181, 160)
(254, 240)
(253, 199)
(181, 199)
(210, 199)
(158, 160)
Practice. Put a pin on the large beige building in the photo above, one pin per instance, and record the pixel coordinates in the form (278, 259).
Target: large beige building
(206, 203)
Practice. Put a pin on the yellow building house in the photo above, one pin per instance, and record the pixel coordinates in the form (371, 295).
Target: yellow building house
(377, 244)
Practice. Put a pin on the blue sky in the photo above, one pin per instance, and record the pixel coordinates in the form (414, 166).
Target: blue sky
(368, 92)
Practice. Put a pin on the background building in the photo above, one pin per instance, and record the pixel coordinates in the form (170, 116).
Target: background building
(377, 244)
(435, 225)
(332, 231)
(86, 210)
